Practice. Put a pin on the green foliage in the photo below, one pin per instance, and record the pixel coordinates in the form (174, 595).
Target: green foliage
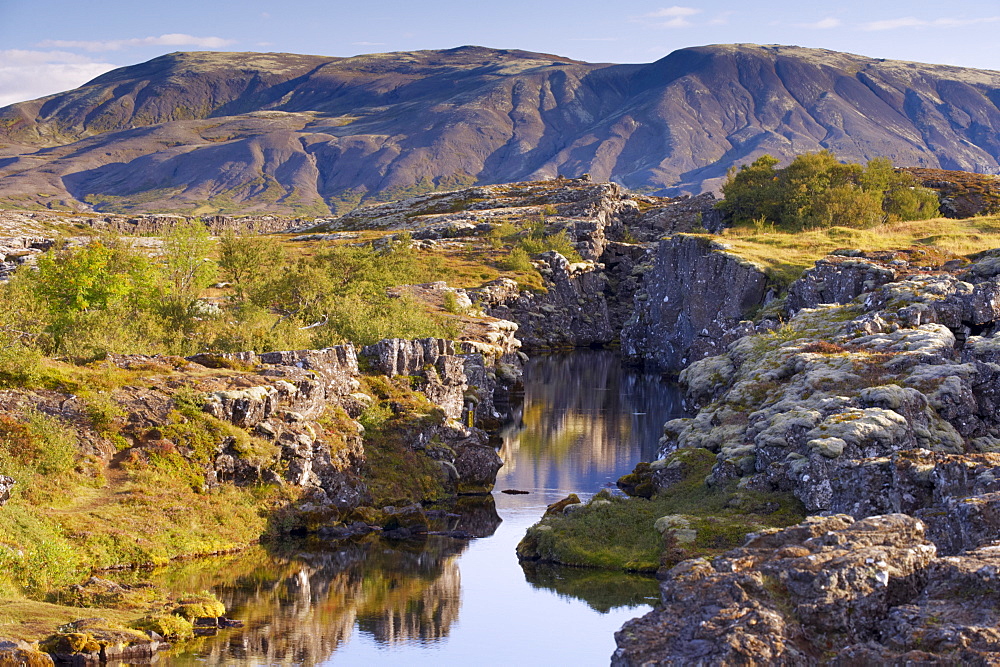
(246, 260)
(103, 411)
(816, 191)
(342, 294)
(86, 302)
(95, 288)
(518, 260)
(20, 365)
(394, 473)
(186, 265)
(501, 233)
(41, 445)
(450, 303)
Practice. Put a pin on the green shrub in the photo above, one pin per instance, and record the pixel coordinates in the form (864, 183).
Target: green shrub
(103, 411)
(450, 303)
(817, 191)
(518, 260)
(41, 444)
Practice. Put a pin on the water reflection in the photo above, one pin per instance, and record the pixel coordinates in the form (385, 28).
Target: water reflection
(584, 422)
(600, 589)
(298, 606)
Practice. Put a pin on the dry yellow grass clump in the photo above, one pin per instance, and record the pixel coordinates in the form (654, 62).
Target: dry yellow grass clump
(785, 255)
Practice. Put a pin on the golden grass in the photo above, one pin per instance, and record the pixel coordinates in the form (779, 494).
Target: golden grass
(785, 255)
(31, 620)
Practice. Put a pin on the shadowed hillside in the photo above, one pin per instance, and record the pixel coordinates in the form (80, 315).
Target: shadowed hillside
(221, 132)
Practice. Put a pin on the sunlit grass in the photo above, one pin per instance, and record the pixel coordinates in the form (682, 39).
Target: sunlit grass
(785, 255)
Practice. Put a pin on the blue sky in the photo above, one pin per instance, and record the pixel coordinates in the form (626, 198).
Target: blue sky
(51, 45)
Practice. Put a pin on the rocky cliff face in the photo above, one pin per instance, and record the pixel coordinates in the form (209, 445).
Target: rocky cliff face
(876, 401)
(833, 405)
(828, 591)
(153, 136)
(692, 300)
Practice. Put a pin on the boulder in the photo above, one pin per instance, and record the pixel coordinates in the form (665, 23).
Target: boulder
(477, 467)
(6, 484)
(836, 279)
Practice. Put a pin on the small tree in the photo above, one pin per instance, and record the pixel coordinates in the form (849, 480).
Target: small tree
(247, 260)
(187, 268)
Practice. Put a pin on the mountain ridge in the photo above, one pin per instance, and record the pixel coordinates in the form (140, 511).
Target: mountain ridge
(288, 133)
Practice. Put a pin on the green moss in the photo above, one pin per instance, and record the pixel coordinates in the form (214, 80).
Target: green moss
(619, 533)
(395, 473)
(168, 626)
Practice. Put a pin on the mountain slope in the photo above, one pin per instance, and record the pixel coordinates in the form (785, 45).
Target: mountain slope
(289, 133)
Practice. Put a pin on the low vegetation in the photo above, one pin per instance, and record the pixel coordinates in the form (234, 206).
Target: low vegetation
(621, 533)
(106, 297)
(785, 255)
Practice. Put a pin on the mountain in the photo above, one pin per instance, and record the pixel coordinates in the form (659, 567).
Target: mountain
(227, 132)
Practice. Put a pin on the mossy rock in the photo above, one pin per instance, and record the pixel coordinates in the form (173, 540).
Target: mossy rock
(168, 626)
(202, 605)
(638, 483)
(560, 506)
(14, 656)
(369, 515)
(70, 643)
(411, 518)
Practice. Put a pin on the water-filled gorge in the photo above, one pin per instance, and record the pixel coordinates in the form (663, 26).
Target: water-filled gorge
(584, 421)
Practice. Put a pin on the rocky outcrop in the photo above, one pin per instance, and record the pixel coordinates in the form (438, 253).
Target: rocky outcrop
(693, 299)
(14, 652)
(963, 194)
(659, 217)
(465, 386)
(829, 590)
(573, 312)
(6, 484)
(886, 403)
(16, 251)
(466, 379)
(836, 279)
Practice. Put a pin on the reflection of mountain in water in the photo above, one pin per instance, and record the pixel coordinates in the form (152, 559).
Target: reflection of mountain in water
(576, 430)
(300, 605)
(583, 416)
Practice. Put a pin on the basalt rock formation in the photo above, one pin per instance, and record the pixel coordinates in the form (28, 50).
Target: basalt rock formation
(691, 303)
(875, 401)
(314, 134)
(828, 591)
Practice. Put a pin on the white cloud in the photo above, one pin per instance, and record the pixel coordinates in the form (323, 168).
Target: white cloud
(27, 75)
(823, 24)
(676, 17)
(172, 39)
(367, 43)
(914, 22)
(672, 12)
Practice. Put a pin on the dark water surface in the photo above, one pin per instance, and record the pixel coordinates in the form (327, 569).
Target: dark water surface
(584, 422)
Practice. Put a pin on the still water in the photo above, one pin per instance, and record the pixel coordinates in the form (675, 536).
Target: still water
(584, 422)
